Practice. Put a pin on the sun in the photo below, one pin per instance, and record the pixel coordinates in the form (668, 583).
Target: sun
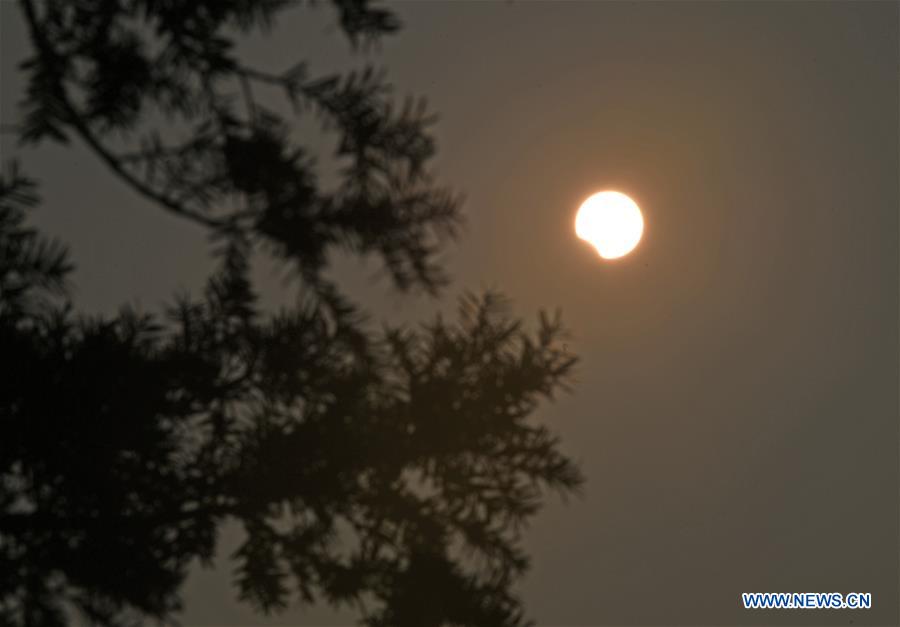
(611, 222)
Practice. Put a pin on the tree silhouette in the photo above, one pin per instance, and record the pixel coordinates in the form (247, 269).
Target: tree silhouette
(393, 471)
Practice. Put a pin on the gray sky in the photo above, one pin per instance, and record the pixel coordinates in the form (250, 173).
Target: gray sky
(736, 406)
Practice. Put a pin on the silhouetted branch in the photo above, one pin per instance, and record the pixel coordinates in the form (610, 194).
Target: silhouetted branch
(75, 119)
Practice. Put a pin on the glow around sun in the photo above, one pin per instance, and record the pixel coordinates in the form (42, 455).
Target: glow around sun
(611, 222)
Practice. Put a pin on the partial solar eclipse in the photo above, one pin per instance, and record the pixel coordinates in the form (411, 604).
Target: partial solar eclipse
(611, 222)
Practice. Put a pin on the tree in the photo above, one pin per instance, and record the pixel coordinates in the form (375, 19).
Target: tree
(394, 471)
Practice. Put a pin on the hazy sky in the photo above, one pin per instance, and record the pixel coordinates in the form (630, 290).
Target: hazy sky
(736, 405)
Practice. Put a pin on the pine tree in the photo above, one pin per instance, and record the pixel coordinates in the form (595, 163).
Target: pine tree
(393, 472)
